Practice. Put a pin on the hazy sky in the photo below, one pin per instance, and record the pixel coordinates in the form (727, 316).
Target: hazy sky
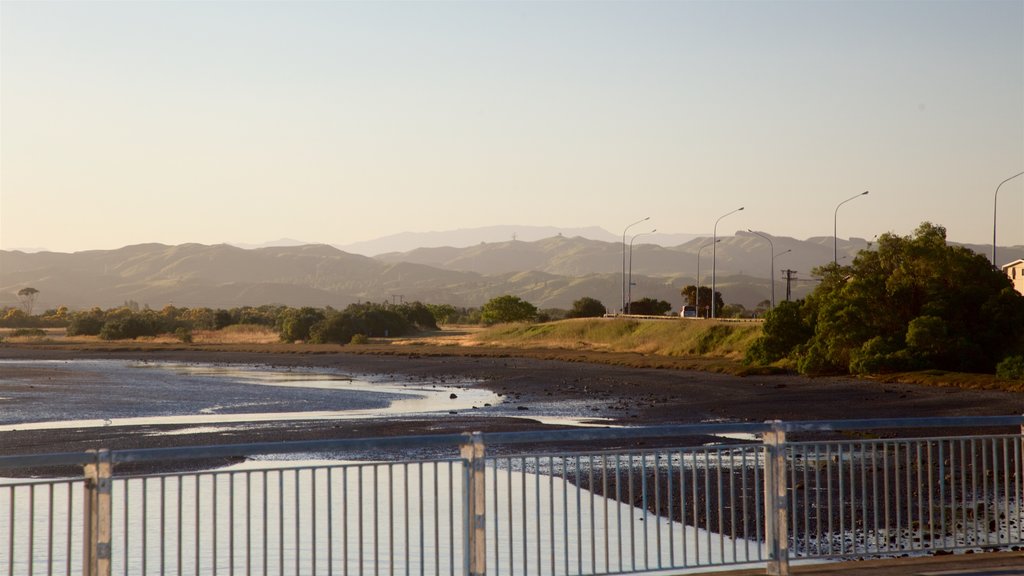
(130, 122)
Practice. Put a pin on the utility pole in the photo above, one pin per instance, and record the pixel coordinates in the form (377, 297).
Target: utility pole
(790, 278)
(397, 297)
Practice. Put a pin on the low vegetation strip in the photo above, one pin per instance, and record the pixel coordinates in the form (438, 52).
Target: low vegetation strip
(674, 339)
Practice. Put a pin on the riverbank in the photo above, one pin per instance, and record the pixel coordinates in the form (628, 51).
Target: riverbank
(624, 395)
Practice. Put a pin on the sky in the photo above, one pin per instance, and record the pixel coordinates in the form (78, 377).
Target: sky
(335, 122)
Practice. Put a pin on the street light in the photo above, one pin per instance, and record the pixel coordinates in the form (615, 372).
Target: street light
(771, 248)
(696, 303)
(623, 308)
(994, 201)
(714, 258)
(835, 227)
(629, 292)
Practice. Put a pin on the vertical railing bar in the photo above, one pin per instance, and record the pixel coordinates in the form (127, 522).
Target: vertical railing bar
(180, 513)
(249, 522)
(643, 506)
(852, 453)
(406, 506)
(817, 500)
(874, 493)
(437, 532)
(71, 510)
(330, 521)
(125, 508)
(720, 493)
(1007, 512)
(759, 519)
(361, 505)
(376, 520)
(198, 525)
(841, 498)
(604, 493)
(964, 470)
(707, 500)
(914, 467)
(632, 514)
(974, 487)
(805, 537)
(828, 496)
(31, 527)
(593, 532)
(49, 530)
(897, 490)
(391, 519)
(231, 524)
(745, 489)
(313, 546)
(163, 525)
(931, 498)
(995, 491)
(942, 491)
(682, 508)
(864, 492)
(671, 506)
(510, 515)
(144, 531)
(885, 494)
(497, 513)
(551, 512)
(794, 499)
(537, 510)
(344, 520)
(522, 491)
(696, 520)
(280, 522)
(13, 531)
(953, 502)
(732, 502)
(579, 517)
(618, 500)
(298, 520)
(451, 517)
(565, 512)
(266, 523)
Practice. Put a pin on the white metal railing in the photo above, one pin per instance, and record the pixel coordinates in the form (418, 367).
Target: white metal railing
(657, 498)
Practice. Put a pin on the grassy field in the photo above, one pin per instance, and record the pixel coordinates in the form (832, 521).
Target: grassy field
(674, 338)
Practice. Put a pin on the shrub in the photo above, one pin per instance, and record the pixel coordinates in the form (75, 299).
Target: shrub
(183, 334)
(360, 339)
(587, 307)
(1012, 368)
(28, 332)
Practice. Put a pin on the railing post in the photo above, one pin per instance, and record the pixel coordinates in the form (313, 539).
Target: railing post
(776, 522)
(97, 515)
(474, 505)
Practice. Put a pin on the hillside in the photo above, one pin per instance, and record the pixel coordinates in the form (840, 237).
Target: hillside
(550, 272)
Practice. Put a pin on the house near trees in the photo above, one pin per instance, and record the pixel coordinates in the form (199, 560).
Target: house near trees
(1015, 271)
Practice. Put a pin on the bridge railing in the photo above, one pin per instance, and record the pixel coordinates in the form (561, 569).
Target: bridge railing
(582, 501)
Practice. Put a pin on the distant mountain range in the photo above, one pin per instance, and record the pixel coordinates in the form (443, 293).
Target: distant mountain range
(550, 272)
(467, 237)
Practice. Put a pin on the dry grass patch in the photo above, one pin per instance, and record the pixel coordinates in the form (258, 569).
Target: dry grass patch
(674, 338)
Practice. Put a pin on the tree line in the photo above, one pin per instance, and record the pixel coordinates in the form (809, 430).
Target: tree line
(913, 303)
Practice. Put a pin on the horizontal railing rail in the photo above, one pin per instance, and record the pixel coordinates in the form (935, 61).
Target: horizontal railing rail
(537, 504)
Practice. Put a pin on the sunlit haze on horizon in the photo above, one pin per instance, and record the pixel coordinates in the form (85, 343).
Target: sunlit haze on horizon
(337, 122)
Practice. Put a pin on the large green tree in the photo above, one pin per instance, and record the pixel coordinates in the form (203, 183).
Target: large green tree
(587, 307)
(915, 302)
(690, 293)
(507, 308)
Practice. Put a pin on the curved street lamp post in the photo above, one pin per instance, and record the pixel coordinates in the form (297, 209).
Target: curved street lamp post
(995, 200)
(835, 227)
(696, 303)
(771, 248)
(714, 258)
(623, 304)
(629, 290)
